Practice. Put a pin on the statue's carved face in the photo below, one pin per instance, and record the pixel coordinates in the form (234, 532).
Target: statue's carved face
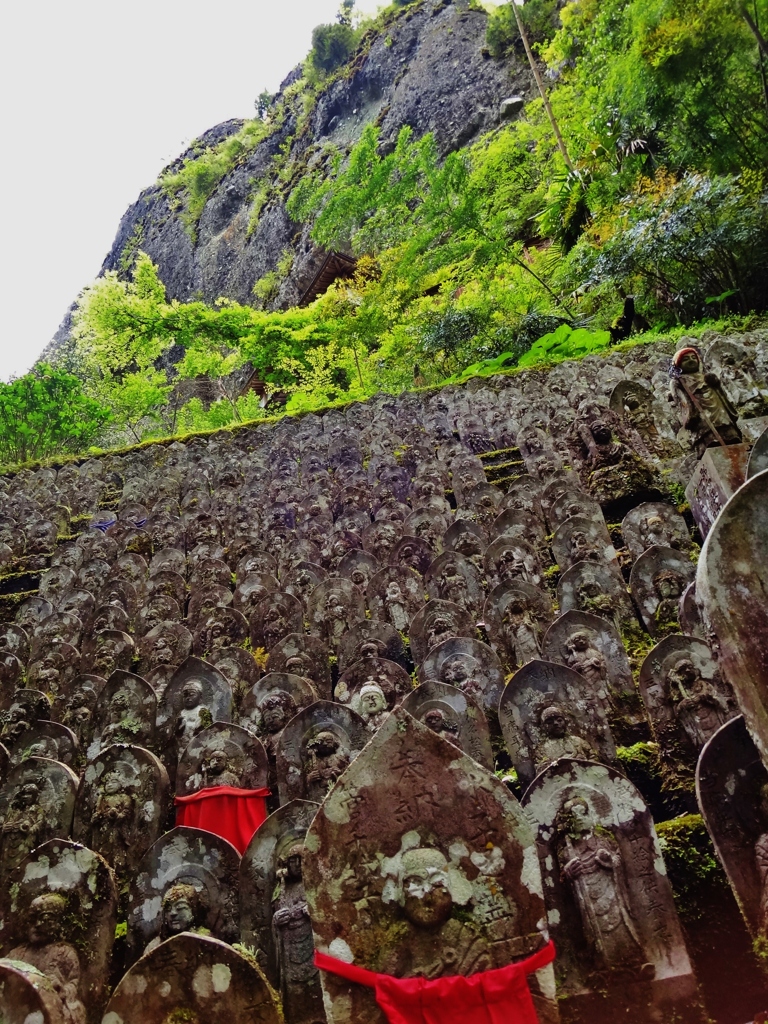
(578, 642)
(427, 902)
(689, 363)
(554, 723)
(325, 744)
(275, 711)
(191, 695)
(178, 915)
(372, 701)
(113, 784)
(455, 671)
(668, 586)
(45, 919)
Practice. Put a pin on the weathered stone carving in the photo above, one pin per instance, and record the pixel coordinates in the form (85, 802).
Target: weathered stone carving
(372, 687)
(186, 881)
(196, 696)
(45, 739)
(731, 584)
(657, 582)
(548, 712)
(732, 792)
(395, 594)
(686, 699)
(271, 704)
(315, 748)
(468, 664)
(438, 621)
(61, 882)
(599, 590)
(591, 646)
(371, 638)
(454, 715)
(222, 755)
(122, 805)
(610, 904)
(516, 617)
(275, 616)
(707, 416)
(164, 648)
(37, 802)
(274, 917)
(333, 607)
(434, 882)
(580, 539)
(125, 712)
(511, 560)
(654, 523)
(197, 977)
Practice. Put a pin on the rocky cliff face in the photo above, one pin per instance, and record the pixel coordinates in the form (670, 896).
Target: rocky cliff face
(428, 70)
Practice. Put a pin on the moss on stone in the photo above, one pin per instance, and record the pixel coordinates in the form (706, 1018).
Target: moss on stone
(692, 866)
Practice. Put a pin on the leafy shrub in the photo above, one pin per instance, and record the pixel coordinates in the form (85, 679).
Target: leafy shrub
(539, 18)
(690, 243)
(46, 413)
(565, 343)
(332, 46)
(446, 333)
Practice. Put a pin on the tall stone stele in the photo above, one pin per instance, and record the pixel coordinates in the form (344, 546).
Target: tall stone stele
(420, 862)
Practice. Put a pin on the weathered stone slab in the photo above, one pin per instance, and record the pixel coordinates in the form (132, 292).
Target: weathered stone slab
(718, 476)
(409, 879)
(193, 978)
(732, 591)
(621, 951)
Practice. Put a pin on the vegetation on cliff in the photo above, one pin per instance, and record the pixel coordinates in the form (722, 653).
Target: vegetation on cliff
(477, 258)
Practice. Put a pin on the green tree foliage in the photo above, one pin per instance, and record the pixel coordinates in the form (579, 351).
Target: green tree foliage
(332, 46)
(46, 413)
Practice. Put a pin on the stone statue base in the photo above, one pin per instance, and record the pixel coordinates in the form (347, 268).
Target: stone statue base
(718, 476)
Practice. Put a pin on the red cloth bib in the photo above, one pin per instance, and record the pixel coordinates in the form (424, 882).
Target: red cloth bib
(500, 996)
(233, 814)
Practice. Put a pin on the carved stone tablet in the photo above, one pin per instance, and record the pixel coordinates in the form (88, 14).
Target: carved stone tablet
(406, 879)
(454, 715)
(358, 567)
(107, 652)
(731, 587)
(186, 880)
(222, 755)
(125, 712)
(315, 748)
(371, 638)
(238, 666)
(395, 594)
(657, 582)
(36, 804)
(59, 883)
(590, 645)
(468, 664)
(547, 712)
(413, 553)
(274, 917)
(270, 704)
(302, 655)
(597, 589)
(610, 905)
(580, 539)
(54, 667)
(28, 995)
(196, 696)
(516, 616)
(197, 978)
(654, 523)
(685, 696)
(122, 805)
(732, 792)
(45, 739)
(509, 559)
(333, 607)
(163, 647)
(438, 621)
(372, 687)
(275, 616)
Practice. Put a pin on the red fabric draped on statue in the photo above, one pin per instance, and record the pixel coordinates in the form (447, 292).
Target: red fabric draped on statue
(233, 814)
(499, 996)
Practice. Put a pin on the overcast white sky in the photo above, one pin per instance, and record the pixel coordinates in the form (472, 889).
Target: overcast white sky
(96, 96)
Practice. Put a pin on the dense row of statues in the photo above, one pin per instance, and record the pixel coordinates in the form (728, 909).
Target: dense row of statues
(358, 682)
